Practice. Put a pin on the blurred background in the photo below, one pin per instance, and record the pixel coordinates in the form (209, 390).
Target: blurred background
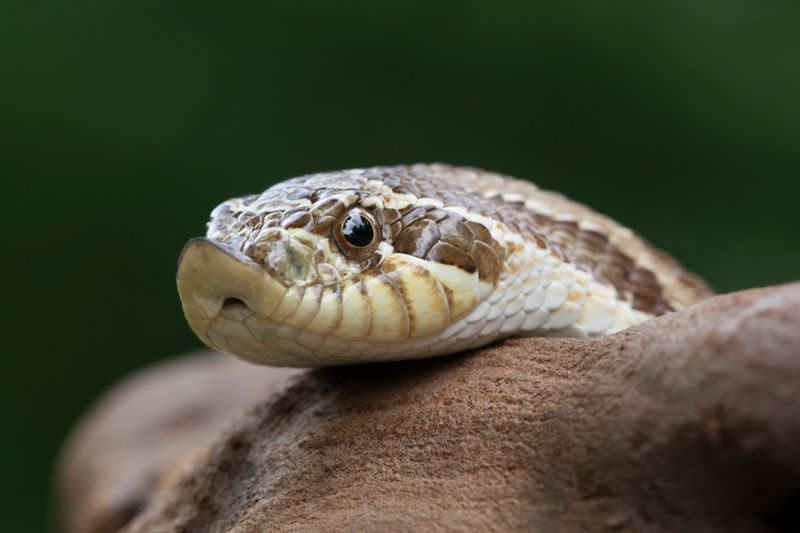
(122, 124)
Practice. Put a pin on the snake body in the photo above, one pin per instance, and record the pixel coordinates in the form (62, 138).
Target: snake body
(415, 261)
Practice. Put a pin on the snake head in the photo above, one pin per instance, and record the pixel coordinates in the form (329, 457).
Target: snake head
(335, 268)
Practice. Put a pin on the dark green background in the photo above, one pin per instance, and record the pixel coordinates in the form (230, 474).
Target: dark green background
(123, 123)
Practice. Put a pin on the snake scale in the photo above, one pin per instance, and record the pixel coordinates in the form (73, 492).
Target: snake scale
(415, 261)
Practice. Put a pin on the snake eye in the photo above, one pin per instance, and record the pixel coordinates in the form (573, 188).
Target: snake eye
(357, 233)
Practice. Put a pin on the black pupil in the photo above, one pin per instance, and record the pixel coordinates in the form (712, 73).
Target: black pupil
(357, 230)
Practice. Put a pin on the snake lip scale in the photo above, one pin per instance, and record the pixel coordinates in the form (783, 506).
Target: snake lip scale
(406, 262)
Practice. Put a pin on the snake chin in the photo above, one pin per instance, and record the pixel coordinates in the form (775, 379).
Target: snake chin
(239, 331)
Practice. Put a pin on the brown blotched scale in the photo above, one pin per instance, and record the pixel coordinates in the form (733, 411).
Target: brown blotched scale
(414, 261)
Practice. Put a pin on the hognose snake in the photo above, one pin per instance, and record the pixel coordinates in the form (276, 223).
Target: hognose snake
(414, 261)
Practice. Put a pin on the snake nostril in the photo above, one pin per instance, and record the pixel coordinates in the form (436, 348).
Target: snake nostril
(235, 309)
(232, 302)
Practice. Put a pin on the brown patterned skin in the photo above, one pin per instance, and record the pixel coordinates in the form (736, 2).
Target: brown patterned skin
(649, 279)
